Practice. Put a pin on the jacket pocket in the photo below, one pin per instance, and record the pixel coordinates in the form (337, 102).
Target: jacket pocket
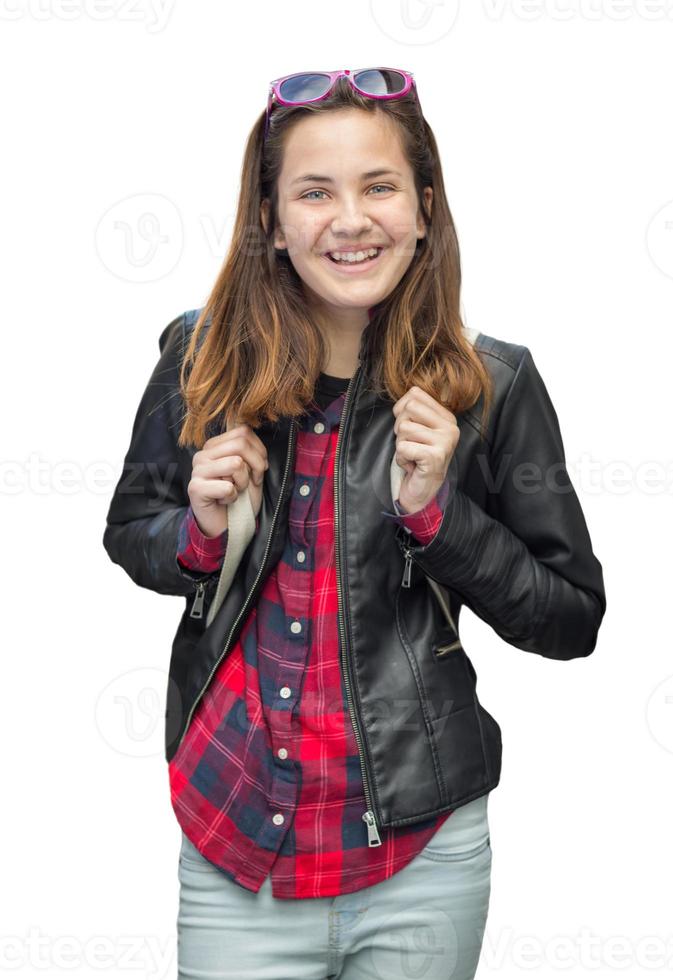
(440, 666)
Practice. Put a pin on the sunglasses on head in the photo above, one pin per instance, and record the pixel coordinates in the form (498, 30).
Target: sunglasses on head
(313, 86)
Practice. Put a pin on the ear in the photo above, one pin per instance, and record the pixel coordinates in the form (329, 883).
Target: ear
(421, 227)
(279, 238)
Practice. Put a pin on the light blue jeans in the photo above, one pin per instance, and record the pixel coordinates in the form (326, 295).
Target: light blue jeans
(426, 921)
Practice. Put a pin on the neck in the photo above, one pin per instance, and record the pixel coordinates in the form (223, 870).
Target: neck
(342, 331)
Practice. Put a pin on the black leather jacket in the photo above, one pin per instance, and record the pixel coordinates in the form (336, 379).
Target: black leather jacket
(513, 546)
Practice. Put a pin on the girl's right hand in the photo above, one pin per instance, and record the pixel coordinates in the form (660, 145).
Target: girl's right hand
(226, 465)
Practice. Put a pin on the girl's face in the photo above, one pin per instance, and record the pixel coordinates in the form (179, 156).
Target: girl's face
(345, 185)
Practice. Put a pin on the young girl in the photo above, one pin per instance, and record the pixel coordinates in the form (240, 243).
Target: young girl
(328, 464)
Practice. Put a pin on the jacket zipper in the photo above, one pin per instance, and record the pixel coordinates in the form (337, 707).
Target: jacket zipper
(197, 606)
(369, 817)
(406, 583)
(406, 576)
(290, 455)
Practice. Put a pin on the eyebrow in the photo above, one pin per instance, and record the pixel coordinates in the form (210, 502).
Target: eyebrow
(309, 178)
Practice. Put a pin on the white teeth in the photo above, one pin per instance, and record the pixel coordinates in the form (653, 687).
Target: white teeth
(353, 256)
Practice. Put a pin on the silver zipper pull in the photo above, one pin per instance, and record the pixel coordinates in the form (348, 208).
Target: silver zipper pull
(406, 578)
(373, 839)
(197, 605)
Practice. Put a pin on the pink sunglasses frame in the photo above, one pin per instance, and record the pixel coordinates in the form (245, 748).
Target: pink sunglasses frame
(275, 98)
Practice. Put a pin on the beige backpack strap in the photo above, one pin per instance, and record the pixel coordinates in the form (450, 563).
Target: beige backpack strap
(241, 524)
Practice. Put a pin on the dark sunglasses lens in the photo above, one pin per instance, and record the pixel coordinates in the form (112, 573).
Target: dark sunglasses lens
(380, 81)
(303, 88)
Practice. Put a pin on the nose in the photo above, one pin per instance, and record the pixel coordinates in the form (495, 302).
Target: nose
(351, 218)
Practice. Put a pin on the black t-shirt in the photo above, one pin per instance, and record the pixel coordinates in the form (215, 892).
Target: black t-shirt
(328, 387)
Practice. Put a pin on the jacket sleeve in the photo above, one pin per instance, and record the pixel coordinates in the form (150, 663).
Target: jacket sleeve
(150, 500)
(524, 565)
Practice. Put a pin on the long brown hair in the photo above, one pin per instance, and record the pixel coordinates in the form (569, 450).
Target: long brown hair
(255, 352)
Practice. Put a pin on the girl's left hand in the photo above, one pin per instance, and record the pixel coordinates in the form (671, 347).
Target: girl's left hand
(427, 436)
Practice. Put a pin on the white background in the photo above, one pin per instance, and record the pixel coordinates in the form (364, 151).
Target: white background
(554, 124)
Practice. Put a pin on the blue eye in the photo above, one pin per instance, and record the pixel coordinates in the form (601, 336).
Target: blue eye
(305, 196)
(384, 186)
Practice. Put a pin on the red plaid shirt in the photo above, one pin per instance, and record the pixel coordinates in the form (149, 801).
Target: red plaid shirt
(267, 778)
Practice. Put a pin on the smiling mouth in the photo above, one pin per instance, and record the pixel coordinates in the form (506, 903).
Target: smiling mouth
(347, 265)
